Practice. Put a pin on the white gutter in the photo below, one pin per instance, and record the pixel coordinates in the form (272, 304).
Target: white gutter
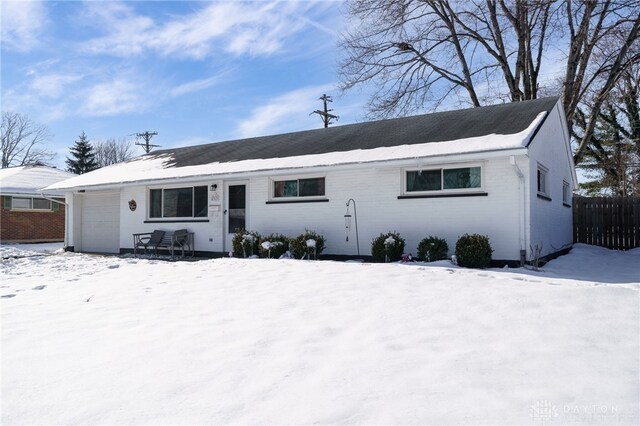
(66, 217)
(521, 210)
(29, 194)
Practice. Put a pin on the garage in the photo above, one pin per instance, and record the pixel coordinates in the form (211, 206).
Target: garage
(101, 222)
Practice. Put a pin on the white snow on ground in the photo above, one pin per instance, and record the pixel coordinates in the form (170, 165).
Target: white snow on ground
(22, 250)
(106, 340)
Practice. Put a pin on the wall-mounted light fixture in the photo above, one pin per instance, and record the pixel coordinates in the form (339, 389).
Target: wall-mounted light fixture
(214, 186)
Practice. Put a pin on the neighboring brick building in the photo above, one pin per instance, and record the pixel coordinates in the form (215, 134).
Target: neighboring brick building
(25, 215)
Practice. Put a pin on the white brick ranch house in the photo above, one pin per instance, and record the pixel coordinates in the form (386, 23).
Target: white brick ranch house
(505, 171)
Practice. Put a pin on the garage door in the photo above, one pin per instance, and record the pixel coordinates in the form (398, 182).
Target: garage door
(101, 222)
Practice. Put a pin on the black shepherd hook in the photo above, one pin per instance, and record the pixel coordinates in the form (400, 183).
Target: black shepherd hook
(355, 217)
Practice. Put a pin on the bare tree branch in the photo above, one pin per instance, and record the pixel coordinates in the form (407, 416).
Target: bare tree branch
(22, 141)
(112, 151)
(419, 54)
(615, 72)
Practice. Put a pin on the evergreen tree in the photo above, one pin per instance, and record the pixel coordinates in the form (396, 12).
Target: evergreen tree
(83, 160)
(613, 156)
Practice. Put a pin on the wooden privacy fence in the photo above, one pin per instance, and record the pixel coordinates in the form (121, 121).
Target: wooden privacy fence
(612, 222)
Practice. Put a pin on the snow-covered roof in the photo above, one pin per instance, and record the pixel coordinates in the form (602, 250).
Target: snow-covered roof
(28, 180)
(492, 128)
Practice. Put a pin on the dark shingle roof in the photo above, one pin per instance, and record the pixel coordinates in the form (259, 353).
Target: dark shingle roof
(437, 127)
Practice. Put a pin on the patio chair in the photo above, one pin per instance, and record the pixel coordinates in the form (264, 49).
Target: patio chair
(182, 240)
(147, 240)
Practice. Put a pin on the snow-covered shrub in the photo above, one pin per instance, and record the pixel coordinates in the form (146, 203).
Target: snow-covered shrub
(303, 244)
(432, 248)
(287, 255)
(245, 243)
(273, 246)
(474, 251)
(387, 247)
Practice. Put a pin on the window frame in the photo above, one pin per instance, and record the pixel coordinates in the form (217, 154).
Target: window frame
(297, 198)
(162, 216)
(30, 208)
(544, 171)
(442, 190)
(566, 194)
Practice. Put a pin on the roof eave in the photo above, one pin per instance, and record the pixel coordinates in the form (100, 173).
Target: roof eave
(540, 124)
(422, 160)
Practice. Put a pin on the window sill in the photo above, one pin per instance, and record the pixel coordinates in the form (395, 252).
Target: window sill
(544, 197)
(176, 221)
(315, 200)
(32, 210)
(449, 195)
(566, 205)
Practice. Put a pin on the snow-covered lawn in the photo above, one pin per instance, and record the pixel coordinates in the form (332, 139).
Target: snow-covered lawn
(108, 340)
(28, 249)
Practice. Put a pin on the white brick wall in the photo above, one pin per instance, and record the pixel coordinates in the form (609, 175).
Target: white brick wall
(133, 221)
(375, 189)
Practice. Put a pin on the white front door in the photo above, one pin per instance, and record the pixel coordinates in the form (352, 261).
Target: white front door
(235, 211)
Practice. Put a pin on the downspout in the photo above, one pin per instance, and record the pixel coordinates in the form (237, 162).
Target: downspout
(66, 217)
(521, 210)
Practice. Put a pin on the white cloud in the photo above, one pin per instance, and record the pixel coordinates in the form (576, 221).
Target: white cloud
(254, 29)
(98, 92)
(127, 31)
(22, 24)
(57, 95)
(332, 32)
(52, 85)
(118, 96)
(286, 113)
(41, 66)
(195, 86)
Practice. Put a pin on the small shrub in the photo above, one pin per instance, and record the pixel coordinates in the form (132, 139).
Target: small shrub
(299, 247)
(274, 246)
(245, 243)
(387, 247)
(432, 248)
(536, 256)
(474, 251)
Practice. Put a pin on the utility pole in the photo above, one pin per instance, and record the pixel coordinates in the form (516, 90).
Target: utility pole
(147, 137)
(325, 114)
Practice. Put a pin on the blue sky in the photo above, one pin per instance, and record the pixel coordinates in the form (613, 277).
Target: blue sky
(195, 72)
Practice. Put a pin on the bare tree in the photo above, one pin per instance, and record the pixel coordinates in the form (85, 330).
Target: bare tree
(112, 151)
(421, 53)
(612, 158)
(22, 141)
(604, 38)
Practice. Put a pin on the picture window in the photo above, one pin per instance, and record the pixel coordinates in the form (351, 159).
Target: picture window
(443, 179)
(178, 202)
(312, 187)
